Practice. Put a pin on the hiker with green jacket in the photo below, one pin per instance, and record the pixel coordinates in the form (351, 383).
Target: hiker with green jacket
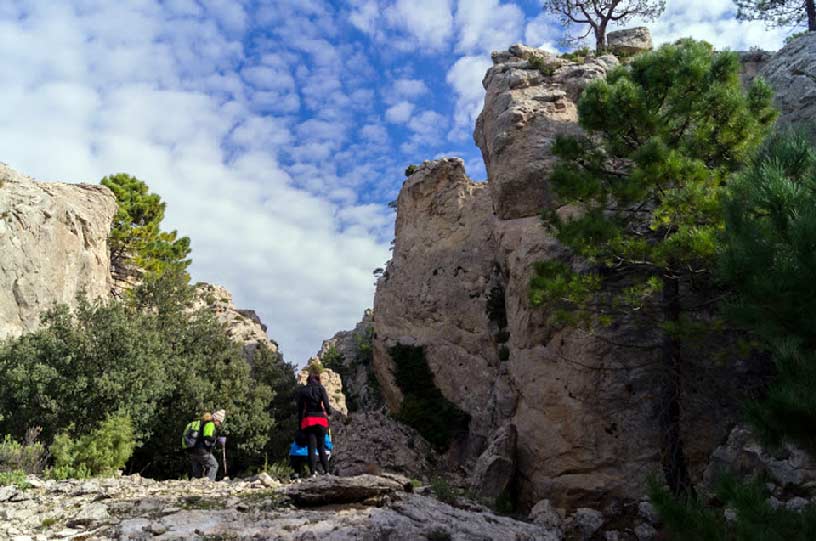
(199, 439)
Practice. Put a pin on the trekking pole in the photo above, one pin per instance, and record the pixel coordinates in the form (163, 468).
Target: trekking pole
(224, 458)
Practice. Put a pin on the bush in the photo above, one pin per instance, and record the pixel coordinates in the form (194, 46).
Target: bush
(540, 63)
(578, 55)
(442, 490)
(100, 452)
(424, 407)
(755, 519)
(155, 359)
(14, 477)
(28, 457)
(410, 170)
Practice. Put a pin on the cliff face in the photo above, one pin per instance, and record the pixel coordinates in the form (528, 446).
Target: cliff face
(53, 245)
(243, 326)
(582, 408)
(792, 74)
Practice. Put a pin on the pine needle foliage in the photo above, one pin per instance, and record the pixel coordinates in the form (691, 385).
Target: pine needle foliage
(753, 517)
(136, 232)
(769, 258)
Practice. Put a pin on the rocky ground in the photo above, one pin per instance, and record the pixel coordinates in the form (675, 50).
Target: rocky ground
(365, 507)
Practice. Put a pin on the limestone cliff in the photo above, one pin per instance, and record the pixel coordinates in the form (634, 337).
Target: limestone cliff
(555, 413)
(53, 245)
(243, 326)
(792, 74)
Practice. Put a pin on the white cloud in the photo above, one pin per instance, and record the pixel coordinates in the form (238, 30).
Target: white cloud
(542, 32)
(409, 88)
(465, 77)
(148, 89)
(487, 25)
(399, 113)
(374, 132)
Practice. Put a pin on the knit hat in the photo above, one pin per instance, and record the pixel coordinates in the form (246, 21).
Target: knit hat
(219, 416)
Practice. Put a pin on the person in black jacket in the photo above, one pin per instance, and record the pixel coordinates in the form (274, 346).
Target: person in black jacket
(313, 416)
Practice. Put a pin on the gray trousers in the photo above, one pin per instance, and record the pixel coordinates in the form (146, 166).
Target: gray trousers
(204, 463)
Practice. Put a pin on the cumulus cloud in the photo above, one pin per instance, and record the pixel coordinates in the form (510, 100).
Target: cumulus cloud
(147, 88)
(486, 25)
(465, 77)
(399, 113)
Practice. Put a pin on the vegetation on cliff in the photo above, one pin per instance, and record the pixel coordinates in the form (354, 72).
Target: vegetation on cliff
(667, 130)
(136, 237)
(423, 406)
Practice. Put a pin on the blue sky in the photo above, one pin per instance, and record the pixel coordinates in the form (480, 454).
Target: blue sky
(277, 131)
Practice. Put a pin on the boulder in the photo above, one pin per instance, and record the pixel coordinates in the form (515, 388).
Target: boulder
(791, 72)
(545, 514)
(584, 523)
(629, 41)
(54, 245)
(329, 489)
(371, 442)
(496, 467)
(742, 453)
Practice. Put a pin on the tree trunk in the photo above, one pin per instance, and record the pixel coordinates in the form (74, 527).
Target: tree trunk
(600, 37)
(810, 8)
(675, 469)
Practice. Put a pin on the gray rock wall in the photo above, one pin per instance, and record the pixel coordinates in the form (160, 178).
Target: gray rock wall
(53, 245)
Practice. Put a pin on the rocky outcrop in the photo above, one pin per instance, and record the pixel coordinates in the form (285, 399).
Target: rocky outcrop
(788, 467)
(629, 41)
(531, 98)
(331, 508)
(243, 326)
(585, 405)
(434, 292)
(792, 74)
(494, 471)
(370, 442)
(349, 353)
(53, 241)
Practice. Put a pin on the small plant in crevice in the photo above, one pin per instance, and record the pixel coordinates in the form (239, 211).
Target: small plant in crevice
(442, 490)
(504, 353)
(542, 65)
(424, 407)
(411, 169)
(496, 309)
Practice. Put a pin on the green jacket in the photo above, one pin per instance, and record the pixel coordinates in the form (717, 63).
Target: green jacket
(206, 438)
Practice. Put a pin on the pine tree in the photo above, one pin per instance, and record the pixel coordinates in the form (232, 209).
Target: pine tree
(644, 187)
(769, 258)
(136, 232)
(784, 13)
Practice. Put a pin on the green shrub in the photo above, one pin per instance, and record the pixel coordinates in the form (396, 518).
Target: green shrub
(15, 477)
(101, 452)
(690, 518)
(442, 490)
(410, 170)
(424, 407)
(28, 456)
(542, 65)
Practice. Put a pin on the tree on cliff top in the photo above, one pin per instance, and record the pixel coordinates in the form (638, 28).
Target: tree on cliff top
(136, 232)
(666, 131)
(597, 14)
(783, 13)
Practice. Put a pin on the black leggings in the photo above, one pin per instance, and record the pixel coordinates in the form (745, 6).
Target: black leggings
(316, 436)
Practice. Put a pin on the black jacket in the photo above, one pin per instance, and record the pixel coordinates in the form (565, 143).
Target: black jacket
(312, 401)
